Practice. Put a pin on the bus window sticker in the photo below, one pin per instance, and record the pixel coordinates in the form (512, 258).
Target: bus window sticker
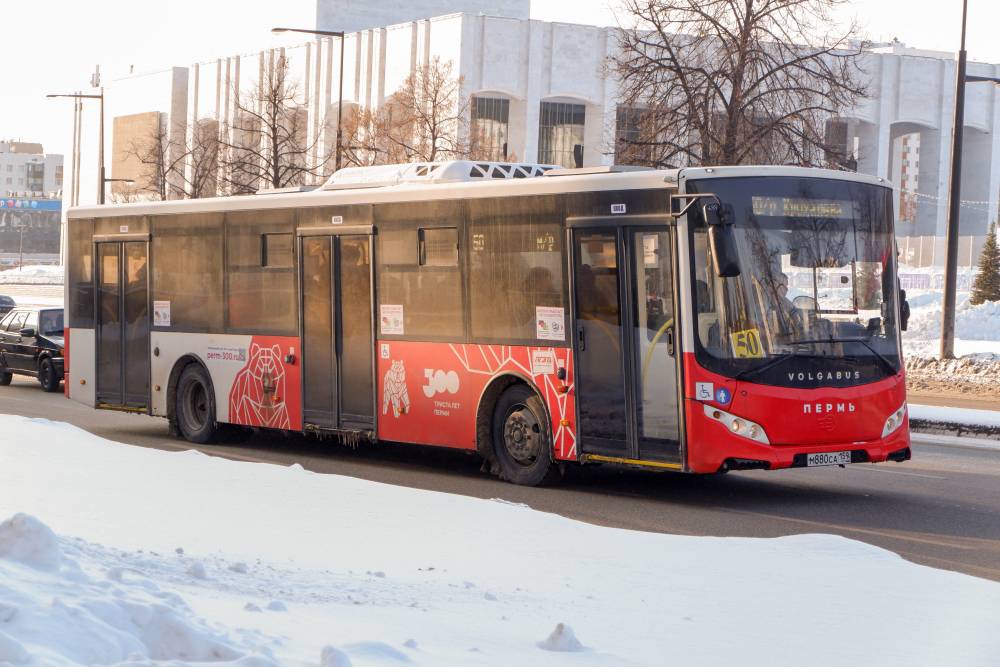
(746, 344)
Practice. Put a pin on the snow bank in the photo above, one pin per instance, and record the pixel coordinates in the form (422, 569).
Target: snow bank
(25, 539)
(463, 581)
(966, 416)
(979, 322)
(33, 275)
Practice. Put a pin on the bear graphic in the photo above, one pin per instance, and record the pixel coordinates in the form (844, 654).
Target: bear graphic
(394, 390)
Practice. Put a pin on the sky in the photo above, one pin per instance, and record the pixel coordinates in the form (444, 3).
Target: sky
(52, 46)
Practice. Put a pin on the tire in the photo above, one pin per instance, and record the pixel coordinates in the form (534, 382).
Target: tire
(5, 378)
(194, 406)
(47, 376)
(521, 438)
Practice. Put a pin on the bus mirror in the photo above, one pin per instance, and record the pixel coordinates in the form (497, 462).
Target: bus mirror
(722, 239)
(904, 310)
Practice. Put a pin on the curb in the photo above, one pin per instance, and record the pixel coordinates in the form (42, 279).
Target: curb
(960, 442)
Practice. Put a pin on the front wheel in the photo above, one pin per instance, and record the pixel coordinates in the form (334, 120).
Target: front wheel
(195, 406)
(521, 442)
(47, 376)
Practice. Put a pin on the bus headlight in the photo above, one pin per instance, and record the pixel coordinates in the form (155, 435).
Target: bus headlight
(738, 425)
(894, 421)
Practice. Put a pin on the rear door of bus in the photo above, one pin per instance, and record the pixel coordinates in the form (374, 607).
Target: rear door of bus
(337, 330)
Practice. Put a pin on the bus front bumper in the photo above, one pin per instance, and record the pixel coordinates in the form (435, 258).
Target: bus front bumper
(716, 450)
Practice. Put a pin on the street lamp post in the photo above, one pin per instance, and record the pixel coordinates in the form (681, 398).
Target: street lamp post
(955, 198)
(100, 149)
(340, 94)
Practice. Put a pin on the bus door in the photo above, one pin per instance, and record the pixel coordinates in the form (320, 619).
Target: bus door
(626, 343)
(122, 324)
(337, 332)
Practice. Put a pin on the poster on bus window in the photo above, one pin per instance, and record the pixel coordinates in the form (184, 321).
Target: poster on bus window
(161, 313)
(550, 323)
(391, 319)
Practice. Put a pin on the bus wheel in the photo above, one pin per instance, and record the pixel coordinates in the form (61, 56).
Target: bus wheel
(47, 376)
(521, 441)
(195, 407)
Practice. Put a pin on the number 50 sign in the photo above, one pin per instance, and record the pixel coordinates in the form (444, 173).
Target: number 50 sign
(746, 344)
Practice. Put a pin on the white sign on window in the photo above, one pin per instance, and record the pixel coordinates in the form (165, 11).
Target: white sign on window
(550, 323)
(391, 319)
(161, 313)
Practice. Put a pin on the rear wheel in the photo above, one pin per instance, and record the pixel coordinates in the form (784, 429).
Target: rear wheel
(521, 442)
(195, 406)
(47, 376)
(5, 377)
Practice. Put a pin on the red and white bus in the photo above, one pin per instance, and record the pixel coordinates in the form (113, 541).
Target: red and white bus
(701, 320)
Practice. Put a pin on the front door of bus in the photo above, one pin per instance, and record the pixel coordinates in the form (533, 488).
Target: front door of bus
(122, 324)
(626, 343)
(337, 343)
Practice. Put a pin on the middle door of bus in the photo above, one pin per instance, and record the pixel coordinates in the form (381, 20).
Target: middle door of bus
(626, 349)
(337, 332)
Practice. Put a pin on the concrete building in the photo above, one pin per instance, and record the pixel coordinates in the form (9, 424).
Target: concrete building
(540, 91)
(26, 170)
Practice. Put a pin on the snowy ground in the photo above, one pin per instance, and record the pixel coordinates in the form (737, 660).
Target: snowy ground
(177, 558)
(32, 275)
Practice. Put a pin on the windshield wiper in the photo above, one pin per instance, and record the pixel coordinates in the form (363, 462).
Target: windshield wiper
(750, 372)
(885, 362)
(864, 341)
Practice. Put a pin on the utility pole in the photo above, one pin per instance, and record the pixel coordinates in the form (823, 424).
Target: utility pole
(955, 199)
(954, 205)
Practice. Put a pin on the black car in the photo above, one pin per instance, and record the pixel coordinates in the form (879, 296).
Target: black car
(6, 305)
(31, 343)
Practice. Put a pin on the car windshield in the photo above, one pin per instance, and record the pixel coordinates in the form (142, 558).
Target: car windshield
(50, 323)
(816, 279)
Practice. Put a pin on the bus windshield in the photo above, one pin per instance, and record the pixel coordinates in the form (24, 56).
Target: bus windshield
(815, 301)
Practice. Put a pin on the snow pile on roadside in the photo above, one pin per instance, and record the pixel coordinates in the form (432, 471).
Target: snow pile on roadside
(979, 322)
(963, 422)
(185, 558)
(33, 275)
(974, 371)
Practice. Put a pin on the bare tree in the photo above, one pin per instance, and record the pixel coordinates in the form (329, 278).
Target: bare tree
(734, 81)
(427, 118)
(174, 169)
(365, 138)
(268, 143)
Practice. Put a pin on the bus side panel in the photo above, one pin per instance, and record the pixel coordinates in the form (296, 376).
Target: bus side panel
(255, 383)
(81, 382)
(428, 393)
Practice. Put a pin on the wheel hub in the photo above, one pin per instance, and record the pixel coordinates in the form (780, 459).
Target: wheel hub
(520, 434)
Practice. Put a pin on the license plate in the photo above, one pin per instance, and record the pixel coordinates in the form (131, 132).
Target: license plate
(828, 459)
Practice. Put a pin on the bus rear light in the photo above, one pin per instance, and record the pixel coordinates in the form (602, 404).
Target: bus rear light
(894, 421)
(738, 425)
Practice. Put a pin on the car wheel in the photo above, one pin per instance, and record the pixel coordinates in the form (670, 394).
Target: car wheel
(5, 377)
(47, 376)
(521, 441)
(195, 406)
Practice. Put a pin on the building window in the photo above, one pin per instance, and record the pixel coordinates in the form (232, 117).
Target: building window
(560, 134)
(632, 136)
(489, 131)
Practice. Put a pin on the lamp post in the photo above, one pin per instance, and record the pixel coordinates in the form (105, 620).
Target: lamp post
(100, 149)
(340, 94)
(955, 198)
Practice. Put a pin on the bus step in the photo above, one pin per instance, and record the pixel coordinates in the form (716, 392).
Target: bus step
(345, 436)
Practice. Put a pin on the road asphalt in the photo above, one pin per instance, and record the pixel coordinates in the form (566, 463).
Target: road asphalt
(941, 509)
